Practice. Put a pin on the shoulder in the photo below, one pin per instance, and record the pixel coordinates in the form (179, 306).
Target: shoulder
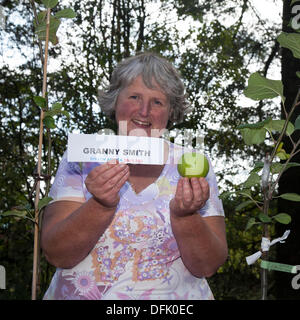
(71, 167)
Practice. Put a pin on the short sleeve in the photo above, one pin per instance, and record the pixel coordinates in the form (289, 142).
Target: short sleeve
(213, 206)
(68, 183)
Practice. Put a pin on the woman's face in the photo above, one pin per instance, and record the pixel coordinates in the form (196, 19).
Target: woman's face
(141, 111)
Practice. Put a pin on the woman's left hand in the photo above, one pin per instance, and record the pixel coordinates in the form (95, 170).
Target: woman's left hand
(191, 195)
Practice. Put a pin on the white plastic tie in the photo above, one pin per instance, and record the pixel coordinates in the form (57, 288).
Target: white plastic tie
(265, 246)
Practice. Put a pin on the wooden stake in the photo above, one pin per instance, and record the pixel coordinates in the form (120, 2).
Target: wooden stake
(265, 254)
(36, 247)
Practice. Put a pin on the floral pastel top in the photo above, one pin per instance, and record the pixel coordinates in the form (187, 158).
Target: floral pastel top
(137, 257)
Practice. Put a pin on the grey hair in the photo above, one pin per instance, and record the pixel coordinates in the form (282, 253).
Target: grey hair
(151, 67)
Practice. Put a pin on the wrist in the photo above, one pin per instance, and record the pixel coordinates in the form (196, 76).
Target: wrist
(104, 205)
(177, 214)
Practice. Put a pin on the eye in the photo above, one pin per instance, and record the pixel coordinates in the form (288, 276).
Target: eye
(158, 102)
(133, 97)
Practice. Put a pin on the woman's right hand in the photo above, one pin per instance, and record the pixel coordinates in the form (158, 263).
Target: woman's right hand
(104, 182)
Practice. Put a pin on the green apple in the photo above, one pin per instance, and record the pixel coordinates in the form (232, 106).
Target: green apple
(193, 164)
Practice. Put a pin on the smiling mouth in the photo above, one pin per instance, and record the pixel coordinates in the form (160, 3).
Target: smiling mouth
(144, 124)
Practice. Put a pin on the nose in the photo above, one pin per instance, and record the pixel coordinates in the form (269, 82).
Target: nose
(145, 106)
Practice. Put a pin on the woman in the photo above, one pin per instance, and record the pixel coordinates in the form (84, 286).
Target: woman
(123, 231)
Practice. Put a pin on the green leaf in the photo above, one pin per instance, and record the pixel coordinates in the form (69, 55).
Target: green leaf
(257, 125)
(225, 195)
(66, 13)
(56, 110)
(297, 123)
(41, 17)
(44, 202)
(251, 222)
(50, 3)
(264, 218)
(279, 147)
(298, 74)
(40, 101)
(52, 37)
(292, 164)
(66, 113)
(257, 134)
(57, 106)
(253, 136)
(282, 218)
(49, 122)
(260, 88)
(245, 193)
(293, 1)
(243, 205)
(277, 167)
(258, 166)
(282, 155)
(16, 213)
(277, 125)
(290, 196)
(252, 180)
(290, 41)
(40, 30)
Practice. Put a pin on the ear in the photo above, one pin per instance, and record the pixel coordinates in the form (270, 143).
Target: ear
(171, 118)
(113, 116)
(171, 114)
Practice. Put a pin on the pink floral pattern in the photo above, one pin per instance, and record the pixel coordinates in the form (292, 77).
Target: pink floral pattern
(137, 257)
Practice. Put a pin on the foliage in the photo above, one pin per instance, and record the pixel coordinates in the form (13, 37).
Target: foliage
(229, 282)
(261, 186)
(46, 28)
(16, 239)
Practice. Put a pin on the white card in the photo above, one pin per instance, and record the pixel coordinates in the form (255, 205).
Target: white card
(126, 149)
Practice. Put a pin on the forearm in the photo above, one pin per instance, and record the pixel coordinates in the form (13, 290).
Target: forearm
(202, 249)
(69, 241)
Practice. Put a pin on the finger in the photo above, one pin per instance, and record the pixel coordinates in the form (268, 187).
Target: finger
(116, 181)
(114, 171)
(105, 171)
(179, 190)
(122, 180)
(108, 192)
(113, 161)
(197, 189)
(95, 172)
(187, 192)
(205, 188)
(201, 191)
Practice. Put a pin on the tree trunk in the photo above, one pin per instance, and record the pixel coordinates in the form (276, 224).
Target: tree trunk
(289, 252)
